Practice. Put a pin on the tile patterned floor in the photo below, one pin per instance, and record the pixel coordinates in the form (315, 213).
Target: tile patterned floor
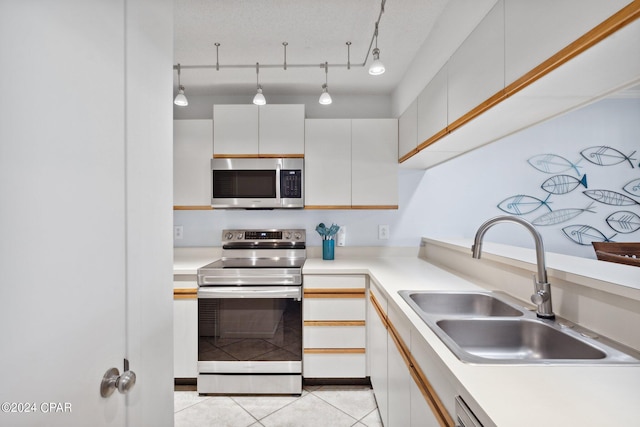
(318, 406)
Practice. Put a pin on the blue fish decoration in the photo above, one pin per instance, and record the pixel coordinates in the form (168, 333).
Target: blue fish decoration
(624, 222)
(633, 187)
(603, 155)
(563, 184)
(560, 216)
(585, 234)
(610, 197)
(522, 204)
(552, 164)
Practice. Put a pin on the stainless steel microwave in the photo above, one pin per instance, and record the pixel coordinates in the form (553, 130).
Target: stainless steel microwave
(257, 183)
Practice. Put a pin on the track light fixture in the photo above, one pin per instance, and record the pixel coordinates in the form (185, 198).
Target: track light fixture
(180, 99)
(259, 99)
(377, 67)
(325, 98)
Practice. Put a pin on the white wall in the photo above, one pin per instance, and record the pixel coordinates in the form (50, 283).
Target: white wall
(465, 191)
(343, 106)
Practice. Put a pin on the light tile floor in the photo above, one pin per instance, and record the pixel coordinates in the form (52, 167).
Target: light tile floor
(321, 406)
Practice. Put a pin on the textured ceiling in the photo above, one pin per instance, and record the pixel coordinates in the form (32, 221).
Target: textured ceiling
(251, 31)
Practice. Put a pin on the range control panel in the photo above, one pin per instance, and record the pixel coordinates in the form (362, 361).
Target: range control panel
(271, 235)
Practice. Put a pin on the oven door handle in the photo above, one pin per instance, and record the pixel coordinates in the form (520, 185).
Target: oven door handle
(250, 292)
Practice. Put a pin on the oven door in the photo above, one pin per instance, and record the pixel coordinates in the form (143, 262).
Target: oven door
(250, 330)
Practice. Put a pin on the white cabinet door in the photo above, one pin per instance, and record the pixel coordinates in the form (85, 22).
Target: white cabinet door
(235, 129)
(374, 162)
(432, 106)
(192, 153)
(536, 30)
(185, 338)
(408, 130)
(281, 129)
(328, 162)
(421, 413)
(377, 351)
(476, 69)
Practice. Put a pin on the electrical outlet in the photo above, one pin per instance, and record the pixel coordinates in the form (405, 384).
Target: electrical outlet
(383, 232)
(342, 235)
(178, 232)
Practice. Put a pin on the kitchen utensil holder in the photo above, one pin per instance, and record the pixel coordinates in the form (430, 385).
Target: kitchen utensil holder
(328, 247)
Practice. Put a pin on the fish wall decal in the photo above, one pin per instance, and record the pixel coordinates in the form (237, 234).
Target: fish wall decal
(624, 222)
(522, 204)
(563, 184)
(585, 234)
(560, 215)
(603, 155)
(553, 164)
(633, 187)
(610, 197)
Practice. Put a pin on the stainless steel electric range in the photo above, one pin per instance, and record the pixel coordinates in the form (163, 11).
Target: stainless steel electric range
(250, 314)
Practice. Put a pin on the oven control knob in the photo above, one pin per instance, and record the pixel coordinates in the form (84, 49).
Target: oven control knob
(298, 236)
(287, 235)
(239, 236)
(228, 236)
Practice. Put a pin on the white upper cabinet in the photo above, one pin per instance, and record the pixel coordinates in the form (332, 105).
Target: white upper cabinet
(192, 153)
(536, 30)
(253, 131)
(374, 162)
(432, 107)
(281, 129)
(476, 69)
(328, 162)
(235, 129)
(408, 130)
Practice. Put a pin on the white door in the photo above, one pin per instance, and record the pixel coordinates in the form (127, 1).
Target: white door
(70, 291)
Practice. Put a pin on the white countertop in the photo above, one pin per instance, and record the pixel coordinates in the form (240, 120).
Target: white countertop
(510, 395)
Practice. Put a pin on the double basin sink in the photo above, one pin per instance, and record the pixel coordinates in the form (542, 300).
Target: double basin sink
(486, 328)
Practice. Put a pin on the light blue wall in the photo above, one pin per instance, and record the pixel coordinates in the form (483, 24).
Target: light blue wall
(453, 199)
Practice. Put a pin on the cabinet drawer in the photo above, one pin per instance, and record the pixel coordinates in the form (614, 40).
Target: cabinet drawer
(333, 335)
(334, 308)
(334, 281)
(335, 365)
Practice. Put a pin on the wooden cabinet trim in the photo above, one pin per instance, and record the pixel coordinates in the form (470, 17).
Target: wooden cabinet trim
(334, 293)
(258, 156)
(333, 323)
(192, 208)
(378, 308)
(185, 293)
(609, 26)
(334, 351)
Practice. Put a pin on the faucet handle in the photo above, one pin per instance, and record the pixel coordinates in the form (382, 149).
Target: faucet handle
(540, 297)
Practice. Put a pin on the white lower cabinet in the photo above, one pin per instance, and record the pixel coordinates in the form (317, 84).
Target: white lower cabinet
(185, 338)
(395, 370)
(334, 332)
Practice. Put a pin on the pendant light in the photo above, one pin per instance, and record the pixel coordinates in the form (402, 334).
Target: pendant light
(377, 67)
(180, 100)
(259, 99)
(325, 98)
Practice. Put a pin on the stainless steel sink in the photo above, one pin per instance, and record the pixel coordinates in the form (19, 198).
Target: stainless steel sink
(461, 303)
(486, 328)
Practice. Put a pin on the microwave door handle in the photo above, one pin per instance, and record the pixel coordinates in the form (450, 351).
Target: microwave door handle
(278, 187)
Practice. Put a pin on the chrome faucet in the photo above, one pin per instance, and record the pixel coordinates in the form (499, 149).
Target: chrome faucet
(542, 289)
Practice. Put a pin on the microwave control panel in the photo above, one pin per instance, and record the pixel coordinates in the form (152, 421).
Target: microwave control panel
(291, 183)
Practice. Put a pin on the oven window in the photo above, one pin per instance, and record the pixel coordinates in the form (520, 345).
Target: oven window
(244, 184)
(260, 329)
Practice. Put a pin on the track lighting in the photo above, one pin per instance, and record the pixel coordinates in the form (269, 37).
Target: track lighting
(259, 99)
(377, 67)
(325, 98)
(180, 99)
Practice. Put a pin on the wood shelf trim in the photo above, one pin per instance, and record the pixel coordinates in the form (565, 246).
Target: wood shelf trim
(335, 207)
(185, 293)
(350, 207)
(334, 293)
(373, 207)
(192, 208)
(609, 26)
(334, 351)
(333, 323)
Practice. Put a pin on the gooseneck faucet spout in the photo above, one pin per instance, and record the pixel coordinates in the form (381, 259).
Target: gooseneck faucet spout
(542, 289)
